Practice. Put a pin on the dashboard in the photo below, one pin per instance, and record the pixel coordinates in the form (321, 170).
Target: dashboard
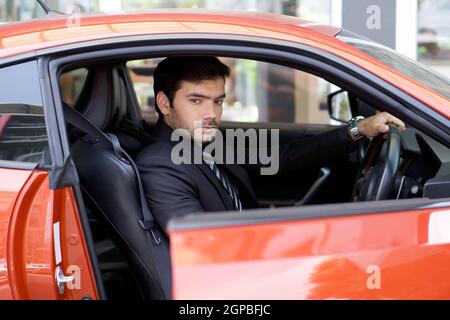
(424, 168)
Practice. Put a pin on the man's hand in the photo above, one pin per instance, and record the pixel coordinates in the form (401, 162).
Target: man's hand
(379, 124)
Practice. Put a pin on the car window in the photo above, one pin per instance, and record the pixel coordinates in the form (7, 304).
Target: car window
(413, 69)
(141, 73)
(12, 11)
(23, 133)
(256, 92)
(72, 83)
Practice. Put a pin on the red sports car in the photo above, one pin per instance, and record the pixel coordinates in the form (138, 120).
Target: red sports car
(75, 94)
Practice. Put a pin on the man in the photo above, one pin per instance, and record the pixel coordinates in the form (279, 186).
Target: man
(190, 91)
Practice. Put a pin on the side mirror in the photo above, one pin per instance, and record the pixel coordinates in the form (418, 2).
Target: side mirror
(339, 106)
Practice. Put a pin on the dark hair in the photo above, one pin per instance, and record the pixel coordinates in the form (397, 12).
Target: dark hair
(171, 71)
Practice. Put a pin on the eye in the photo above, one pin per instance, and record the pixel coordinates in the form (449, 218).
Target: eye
(219, 102)
(195, 101)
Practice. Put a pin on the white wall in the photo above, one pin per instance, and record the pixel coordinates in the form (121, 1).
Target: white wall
(406, 28)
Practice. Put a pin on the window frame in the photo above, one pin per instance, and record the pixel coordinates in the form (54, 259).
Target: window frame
(342, 72)
(11, 164)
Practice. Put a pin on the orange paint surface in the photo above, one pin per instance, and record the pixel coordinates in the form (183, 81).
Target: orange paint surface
(28, 210)
(332, 258)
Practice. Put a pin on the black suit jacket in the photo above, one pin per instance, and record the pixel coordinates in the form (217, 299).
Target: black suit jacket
(173, 190)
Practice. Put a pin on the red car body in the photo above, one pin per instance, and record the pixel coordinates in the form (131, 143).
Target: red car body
(330, 257)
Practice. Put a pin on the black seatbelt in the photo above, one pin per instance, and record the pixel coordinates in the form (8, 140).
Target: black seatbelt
(147, 221)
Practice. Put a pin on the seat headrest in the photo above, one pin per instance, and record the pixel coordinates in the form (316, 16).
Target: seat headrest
(103, 98)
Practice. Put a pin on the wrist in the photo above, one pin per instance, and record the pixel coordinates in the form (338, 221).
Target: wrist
(355, 128)
(350, 134)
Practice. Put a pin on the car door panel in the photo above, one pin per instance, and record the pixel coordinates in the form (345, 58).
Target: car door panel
(391, 255)
(29, 252)
(11, 182)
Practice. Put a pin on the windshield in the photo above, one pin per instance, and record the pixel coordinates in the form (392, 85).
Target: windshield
(12, 11)
(413, 69)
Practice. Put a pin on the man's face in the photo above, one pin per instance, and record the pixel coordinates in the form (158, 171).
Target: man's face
(197, 107)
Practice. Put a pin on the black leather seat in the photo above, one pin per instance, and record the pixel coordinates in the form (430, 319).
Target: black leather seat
(110, 184)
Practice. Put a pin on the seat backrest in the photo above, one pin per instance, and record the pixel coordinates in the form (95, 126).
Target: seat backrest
(104, 102)
(112, 190)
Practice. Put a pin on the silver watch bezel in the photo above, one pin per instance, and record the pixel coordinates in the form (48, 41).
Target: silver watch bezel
(353, 124)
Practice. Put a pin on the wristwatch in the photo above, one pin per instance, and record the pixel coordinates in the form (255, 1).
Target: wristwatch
(353, 126)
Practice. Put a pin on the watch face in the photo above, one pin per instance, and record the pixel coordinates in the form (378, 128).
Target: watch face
(354, 127)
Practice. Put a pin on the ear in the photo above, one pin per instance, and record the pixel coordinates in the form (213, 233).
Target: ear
(163, 103)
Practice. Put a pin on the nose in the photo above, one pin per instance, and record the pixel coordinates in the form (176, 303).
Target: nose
(210, 112)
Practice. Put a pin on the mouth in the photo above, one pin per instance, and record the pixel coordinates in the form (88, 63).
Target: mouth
(209, 125)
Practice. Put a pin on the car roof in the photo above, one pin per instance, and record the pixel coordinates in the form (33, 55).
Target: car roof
(21, 39)
(55, 30)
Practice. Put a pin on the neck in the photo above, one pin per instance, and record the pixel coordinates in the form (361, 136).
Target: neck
(167, 122)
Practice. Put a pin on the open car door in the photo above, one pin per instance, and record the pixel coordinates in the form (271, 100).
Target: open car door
(374, 250)
(43, 251)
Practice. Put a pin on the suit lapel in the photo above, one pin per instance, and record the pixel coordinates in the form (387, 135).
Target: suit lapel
(225, 197)
(163, 132)
(241, 175)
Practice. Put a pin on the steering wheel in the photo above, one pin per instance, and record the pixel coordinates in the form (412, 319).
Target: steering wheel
(375, 180)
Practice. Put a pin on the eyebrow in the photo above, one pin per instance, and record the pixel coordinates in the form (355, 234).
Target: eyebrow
(198, 95)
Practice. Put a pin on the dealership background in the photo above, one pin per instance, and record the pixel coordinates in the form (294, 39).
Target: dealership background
(419, 29)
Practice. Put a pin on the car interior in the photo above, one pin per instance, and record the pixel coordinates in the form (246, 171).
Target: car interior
(109, 127)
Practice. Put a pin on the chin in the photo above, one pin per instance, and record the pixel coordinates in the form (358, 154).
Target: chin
(209, 136)
(205, 136)
(205, 139)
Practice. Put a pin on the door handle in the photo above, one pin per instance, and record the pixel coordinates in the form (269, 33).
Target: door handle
(61, 279)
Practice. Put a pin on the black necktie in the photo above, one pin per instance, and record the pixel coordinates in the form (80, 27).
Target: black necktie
(222, 177)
